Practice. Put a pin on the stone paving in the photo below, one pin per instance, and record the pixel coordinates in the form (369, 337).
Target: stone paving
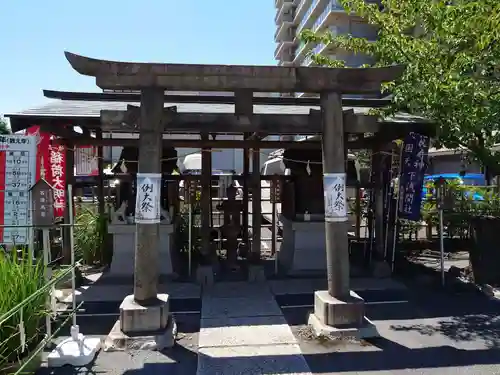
(242, 330)
(246, 335)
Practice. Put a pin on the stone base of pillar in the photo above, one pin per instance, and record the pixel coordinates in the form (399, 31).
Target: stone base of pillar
(150, 327)
(256, 274)
(205, 276)
(137, 319)
(117, 340)
(340, 317)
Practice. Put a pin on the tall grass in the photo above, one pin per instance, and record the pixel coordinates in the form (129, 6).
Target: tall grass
(90, 236)
(19, 279)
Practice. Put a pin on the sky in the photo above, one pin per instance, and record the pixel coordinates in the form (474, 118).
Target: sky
(34, 35)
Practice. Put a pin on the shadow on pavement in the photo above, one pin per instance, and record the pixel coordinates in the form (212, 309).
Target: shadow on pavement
(393, 356)
(468, 328)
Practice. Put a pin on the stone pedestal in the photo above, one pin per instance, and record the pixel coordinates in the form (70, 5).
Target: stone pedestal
(141, 327)
(343, 317)
(137, 319)
(303, 249)
(124, 249)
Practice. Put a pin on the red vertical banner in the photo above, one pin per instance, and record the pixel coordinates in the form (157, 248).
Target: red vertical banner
(57, 162)
(42, 153)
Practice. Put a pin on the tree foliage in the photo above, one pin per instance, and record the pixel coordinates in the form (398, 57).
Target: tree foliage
(4, 126)
(451, 50)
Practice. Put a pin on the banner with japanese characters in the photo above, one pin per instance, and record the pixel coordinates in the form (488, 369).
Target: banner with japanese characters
(51, 166)
(57, 157)
(148, 198)
(86, 161)
(42, 153)
(18, 163)
(414, 163)
(334, 185)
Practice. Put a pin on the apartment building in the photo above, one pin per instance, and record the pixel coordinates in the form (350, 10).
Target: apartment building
(293, 16)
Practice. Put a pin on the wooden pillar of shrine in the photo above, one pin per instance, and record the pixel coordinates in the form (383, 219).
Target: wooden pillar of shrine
(206, 176)
(256, 207)
(246, 190)
(100, 176)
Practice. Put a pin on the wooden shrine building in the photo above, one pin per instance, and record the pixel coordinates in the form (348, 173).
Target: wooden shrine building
(343, 123)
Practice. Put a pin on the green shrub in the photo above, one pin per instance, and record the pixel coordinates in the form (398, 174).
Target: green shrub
(19, 279)
(90, 236)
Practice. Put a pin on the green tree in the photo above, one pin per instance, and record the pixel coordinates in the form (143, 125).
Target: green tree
(451, 50)
(4, 126)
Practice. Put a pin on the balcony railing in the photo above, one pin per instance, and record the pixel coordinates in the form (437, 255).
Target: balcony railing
(307, 15)
(301, 7)
(307, 61)
(318, 48)
(285, 13)
(333, 5)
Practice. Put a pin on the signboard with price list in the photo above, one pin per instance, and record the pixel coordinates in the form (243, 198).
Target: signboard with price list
(17, 176)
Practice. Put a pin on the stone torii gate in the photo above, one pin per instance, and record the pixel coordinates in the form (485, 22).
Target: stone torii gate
(337, 307)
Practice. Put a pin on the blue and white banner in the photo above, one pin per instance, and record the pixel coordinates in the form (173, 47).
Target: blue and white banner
(414, 163)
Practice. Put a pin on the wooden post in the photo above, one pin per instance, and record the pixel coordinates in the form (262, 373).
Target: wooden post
(101, 208)
(357, 210)
(246, 195)
(69, 174)
(244, 112)
(274, 194)
(148, 235)
(337, 249)
(42, 200)
(256, 206)
(379, 203)
(205, 199)
(100, 176)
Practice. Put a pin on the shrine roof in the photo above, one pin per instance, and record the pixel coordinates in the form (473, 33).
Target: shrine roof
(80, 111)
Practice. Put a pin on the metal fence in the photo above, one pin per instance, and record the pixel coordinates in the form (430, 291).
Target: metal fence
(28, 319)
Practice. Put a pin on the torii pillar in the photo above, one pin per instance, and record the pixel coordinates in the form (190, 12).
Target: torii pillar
(147, 311)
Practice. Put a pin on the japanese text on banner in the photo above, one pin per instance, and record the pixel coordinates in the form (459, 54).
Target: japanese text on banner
(414, 164)
(334, 185)
(58, 167)
(148, 195)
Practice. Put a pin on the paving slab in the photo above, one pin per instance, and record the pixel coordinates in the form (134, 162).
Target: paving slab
(269, 330)
(212, 308)
(303, 286)
(237, 290)
(276, 359)
(243, 331)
